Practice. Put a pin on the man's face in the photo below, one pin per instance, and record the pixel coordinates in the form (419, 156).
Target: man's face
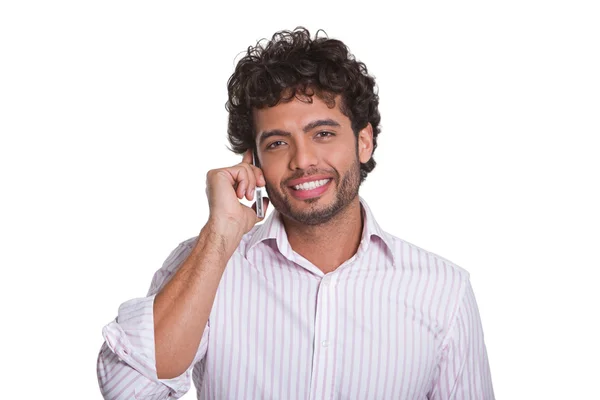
(310, 158)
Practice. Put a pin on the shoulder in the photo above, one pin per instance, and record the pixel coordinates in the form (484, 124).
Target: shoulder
(171, 264)
(409, 257)
(182, 249)
(180, 253)
(438, 271)
(429, 281)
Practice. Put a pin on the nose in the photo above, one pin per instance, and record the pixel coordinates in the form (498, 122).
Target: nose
(304, 157)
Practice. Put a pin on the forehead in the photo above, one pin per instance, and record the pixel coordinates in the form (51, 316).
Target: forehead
(295, 114)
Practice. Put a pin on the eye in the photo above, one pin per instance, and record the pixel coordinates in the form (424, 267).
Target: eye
(275, 144)
(325, 134)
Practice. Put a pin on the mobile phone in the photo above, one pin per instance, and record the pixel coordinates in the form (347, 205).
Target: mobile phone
(258, 194)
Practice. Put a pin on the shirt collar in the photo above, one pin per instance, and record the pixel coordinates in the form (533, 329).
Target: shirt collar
(273, 229)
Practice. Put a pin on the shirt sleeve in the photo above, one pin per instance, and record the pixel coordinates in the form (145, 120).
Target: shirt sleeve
(126, 364)
(463, 371)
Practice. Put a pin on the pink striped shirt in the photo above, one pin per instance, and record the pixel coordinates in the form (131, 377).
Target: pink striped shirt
(392, 322)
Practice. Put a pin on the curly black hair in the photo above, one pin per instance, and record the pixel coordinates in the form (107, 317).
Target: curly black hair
(292, 65)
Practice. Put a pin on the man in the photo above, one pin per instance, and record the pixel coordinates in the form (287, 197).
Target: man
(317, 302)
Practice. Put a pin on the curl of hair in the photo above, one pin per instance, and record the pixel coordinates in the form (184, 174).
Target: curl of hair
(291, 65)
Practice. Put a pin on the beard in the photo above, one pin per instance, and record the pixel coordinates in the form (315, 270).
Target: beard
(346, 191)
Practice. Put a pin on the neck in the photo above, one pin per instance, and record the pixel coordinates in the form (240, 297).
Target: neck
(330, 244)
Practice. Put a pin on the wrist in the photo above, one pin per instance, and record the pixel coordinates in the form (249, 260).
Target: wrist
(225, 230)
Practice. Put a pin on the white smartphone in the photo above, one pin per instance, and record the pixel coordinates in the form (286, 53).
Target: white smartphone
(258, 195)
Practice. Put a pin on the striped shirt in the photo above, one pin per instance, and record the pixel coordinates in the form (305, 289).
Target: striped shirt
(392, 322)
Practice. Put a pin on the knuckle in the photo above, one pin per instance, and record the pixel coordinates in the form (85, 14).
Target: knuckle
(212, 173)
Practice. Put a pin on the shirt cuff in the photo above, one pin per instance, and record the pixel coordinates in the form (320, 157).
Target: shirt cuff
(131, 337)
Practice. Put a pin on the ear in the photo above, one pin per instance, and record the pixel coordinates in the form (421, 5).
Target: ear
(365, 143)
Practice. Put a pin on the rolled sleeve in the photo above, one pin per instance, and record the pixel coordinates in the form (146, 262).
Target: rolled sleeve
(126, 364)
(463, 370)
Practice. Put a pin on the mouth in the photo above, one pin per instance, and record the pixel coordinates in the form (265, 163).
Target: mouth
(311, 189)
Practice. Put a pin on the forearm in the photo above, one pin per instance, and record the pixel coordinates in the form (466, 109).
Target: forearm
(182, 307)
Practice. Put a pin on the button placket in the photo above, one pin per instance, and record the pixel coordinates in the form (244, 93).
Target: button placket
(323, 340)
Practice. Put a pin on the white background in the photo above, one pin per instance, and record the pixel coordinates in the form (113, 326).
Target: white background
(112, 112)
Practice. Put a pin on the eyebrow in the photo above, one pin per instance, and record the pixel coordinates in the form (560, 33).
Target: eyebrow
(309, 127)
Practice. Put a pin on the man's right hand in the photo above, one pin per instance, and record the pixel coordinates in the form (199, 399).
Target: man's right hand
(182, 306)
(224, 188)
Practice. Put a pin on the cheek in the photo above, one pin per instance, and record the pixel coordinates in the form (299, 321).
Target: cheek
(340, 159)
(271, 177)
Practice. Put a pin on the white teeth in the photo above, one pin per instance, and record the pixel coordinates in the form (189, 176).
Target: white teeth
(311, 185)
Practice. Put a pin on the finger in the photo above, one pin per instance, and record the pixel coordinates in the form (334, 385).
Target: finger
(240, 175)
(251, 180)
(259, 176)
(243, 178)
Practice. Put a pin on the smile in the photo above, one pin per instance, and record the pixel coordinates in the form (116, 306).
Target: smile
(311, 185)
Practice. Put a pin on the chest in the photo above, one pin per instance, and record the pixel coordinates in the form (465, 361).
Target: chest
(289, 334)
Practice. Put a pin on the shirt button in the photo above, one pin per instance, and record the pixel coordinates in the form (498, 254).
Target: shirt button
(325, 343)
